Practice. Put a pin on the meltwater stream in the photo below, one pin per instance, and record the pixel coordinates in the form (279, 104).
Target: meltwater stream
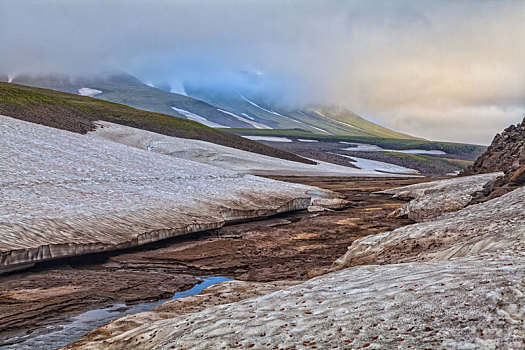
(56, 336)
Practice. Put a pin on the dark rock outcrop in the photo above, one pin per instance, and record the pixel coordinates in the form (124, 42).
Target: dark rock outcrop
(507, 154)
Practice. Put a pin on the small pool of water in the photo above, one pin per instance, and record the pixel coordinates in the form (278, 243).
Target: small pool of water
(198, 288)
(54, 336)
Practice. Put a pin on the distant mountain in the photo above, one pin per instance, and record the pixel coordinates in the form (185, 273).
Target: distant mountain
(318, 119)
(215, 108)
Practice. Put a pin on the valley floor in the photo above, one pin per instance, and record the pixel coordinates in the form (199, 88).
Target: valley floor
(290, 247)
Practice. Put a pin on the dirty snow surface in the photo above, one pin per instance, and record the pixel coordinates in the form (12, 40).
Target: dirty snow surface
(66, 194)
(456, 282)
(217, 155)
(431, 199)
(472, 303)
(493, 225)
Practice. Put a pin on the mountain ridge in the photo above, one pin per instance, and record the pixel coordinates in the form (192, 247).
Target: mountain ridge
(217, 109)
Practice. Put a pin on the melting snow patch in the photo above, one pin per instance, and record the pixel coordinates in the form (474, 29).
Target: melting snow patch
(280, 115)
(419, 151)
(89, 92)
(268, 138)
(247, 121)
(261, 108)
(362, 147)
(198, 118)
(374, 165)
(355, 146)
(307, 140)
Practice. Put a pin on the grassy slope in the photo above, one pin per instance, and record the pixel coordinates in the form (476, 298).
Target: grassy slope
(334, 120)
(353, 124)
(390, 143)
(126, 89)
(77, 113)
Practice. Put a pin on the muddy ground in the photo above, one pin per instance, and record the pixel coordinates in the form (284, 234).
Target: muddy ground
(292, 246)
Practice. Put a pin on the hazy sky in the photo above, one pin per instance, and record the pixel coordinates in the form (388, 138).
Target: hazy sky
(448, 70)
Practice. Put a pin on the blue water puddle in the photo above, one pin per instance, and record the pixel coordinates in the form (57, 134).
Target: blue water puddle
(56, 336)
(198, 288)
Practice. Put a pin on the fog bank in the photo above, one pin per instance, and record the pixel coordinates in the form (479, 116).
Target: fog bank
(438, 69)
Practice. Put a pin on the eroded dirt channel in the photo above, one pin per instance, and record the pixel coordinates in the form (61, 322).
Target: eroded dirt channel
(294, 246)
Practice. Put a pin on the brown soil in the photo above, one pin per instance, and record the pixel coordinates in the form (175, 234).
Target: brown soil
(290, 247)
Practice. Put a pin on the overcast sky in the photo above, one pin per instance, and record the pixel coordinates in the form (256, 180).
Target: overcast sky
(445, 70)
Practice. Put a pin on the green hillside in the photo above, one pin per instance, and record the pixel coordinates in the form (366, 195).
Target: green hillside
(218, 108)
(128, 90)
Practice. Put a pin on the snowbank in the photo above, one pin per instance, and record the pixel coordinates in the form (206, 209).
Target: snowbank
(66, 194)
(457, 282)
(473, 303)
(489, 226)
(432, 199)
(220, 156)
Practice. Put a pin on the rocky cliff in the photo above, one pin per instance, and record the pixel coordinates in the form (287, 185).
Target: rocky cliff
(507, 154)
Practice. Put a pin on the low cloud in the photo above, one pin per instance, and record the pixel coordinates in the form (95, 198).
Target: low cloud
(438, 69)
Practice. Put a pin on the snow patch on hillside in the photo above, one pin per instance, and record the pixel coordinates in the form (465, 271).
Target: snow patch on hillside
(219, 156)
(374, 165)
(280, 115)
(177, 87)
(66, 194)
(307, 140)
(198, 118)
(247, 121)
(267, 138)
(88, 92)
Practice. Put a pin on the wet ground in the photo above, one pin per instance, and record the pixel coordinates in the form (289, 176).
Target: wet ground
(293, 246)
